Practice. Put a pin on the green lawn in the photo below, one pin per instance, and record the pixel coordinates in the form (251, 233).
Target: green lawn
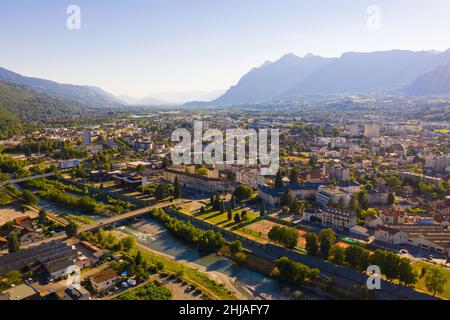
(420, 285)
(5, 197)
(152, 290)
(221, 219)
(252, 234)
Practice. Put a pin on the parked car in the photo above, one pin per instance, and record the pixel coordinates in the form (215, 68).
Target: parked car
(403, 251)
(132, 282)
(189, 289)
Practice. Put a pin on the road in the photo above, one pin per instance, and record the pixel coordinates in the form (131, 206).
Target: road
(45, 175)
(126, 216)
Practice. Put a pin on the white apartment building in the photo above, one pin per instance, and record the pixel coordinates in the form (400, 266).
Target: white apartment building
(371, 130)
(325, 194)
(439, 164)
(199, 184)
(354, 130)
(87, 138)
(68, 164)
(338, 172)
(330, 217)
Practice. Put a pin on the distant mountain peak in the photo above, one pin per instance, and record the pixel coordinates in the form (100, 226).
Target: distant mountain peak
(435, 82)
(90, 96)
(271, 80)
(266, 63)
(353, 72)
(289, 57)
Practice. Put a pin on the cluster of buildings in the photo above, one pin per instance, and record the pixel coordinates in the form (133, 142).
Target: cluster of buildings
(190, 181)
(51, 263)
(393, 229)
(24, 228)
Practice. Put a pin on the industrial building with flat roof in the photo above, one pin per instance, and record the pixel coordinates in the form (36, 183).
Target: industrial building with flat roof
(50, 255)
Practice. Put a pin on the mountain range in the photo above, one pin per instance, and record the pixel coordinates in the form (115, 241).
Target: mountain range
(87, 96)
(147, 101)
(352, 73)
(435, 82)
(20, 104)
(403, 72)
(171, 98)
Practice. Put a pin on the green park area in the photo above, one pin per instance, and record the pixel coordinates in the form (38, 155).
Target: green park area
(223, 220)
(419, 266)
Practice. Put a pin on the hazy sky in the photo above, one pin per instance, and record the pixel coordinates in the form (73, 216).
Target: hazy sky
(140, 47)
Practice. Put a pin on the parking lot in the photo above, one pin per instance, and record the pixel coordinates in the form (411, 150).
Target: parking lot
(415, 253)
(180, 290)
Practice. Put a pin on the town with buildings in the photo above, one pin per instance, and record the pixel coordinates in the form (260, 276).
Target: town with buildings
(83, 201)
(320, 176)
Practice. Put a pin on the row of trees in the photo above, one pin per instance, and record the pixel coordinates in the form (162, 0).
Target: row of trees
(209, 240)
(238, 217)
(391, 265)
(161, 191)
(59, 192)
(106, 240)
(295, 272)
(321, 243)
(285, 236)
(217, 204)
(394, 267)
(9, 165)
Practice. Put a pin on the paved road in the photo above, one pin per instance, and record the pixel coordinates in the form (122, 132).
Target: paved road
(126, 216)
(45, 175)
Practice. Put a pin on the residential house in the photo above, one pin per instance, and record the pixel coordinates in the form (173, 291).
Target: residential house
(374, 221)
(393, 215)
(378, 196)
(23, 221)
(103, 280)
(390, 235)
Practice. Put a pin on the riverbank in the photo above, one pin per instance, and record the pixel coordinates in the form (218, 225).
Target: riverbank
(247, 284)
(241, 292)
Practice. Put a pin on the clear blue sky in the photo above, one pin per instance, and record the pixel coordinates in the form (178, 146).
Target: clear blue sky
(139, 47)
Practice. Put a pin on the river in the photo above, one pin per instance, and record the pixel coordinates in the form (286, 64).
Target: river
(154, 236)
